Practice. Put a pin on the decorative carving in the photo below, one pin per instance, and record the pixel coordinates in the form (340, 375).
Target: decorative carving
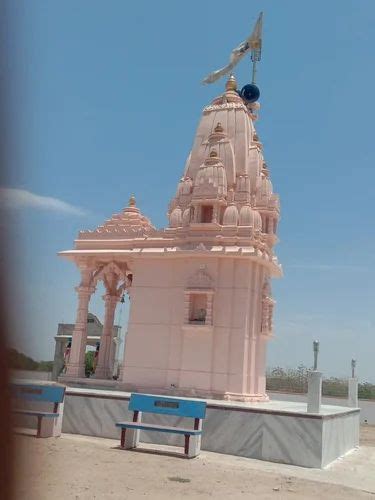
(227, 105)
(200, 279)
(106, 269)
(129, 223)
(267, 309)
(131, 202)
(117, 231)
(201, 248)
(116, 278)
(219, 128)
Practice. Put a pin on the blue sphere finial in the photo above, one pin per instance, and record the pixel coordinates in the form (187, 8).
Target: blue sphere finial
(250, 93)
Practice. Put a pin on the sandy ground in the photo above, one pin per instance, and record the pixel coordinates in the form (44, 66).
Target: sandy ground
(80, 467)
(367, 435)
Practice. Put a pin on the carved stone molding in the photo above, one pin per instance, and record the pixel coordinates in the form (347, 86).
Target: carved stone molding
(111, 268)
(201, 248)
(267, 309)
(201, 279)
(226, 105)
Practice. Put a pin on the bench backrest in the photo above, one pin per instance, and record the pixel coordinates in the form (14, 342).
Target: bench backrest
(167, 406)
(38, 392)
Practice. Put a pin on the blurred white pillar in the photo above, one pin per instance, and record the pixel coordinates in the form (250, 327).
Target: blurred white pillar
(314, 392)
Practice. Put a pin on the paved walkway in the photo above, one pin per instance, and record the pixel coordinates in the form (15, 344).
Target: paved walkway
(79, 467)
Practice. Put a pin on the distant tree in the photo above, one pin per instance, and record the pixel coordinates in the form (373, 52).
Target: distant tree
(295, 380)
(335, 387)
(89, 362)
(45, 366)
(366, 391)
(277, 372)
(289, 380)
(19, 361)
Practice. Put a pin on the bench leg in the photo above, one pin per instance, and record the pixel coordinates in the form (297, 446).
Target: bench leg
(39, 428)
(123, 434)
(49, 427)
(187, 440)
(129, 438)
(193, 446)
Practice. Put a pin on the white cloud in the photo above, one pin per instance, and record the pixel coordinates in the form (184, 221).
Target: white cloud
(12, 198)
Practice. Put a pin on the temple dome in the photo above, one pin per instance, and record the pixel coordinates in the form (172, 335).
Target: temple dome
(184, 186)
(175, 219)
(226, 124)
(225, 173)
(265, 190)
(250, 217)
(230, 216)
(186, 217)
(211, 179)
(130, 222)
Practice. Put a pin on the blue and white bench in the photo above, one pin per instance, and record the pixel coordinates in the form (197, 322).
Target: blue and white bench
(49, 420)
(144, 403)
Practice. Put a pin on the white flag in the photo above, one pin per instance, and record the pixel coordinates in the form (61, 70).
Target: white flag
(253, 43)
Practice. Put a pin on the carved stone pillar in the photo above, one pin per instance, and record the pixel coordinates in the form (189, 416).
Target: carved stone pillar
(186, 307)
(209, 309)
(103, 370)
(271, 228)
(215, 214)
(76, 365)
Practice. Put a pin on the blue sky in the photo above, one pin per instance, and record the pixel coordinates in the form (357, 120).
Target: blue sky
(104, 99)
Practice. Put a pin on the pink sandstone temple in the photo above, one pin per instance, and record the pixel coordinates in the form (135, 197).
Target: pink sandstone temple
(200, 296)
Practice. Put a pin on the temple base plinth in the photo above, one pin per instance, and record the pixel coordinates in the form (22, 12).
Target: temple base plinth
(277, 431)
(245, 398)
(74, 371)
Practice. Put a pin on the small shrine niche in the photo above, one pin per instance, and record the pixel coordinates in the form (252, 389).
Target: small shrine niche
(197, 309)
(207, 213)
(199, 299)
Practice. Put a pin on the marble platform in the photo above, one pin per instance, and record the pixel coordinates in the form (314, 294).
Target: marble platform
(277, 431)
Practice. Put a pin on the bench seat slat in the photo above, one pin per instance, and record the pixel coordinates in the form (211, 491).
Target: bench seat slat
(158, 428)
(148, 403)
(38, 392)
(36, 413)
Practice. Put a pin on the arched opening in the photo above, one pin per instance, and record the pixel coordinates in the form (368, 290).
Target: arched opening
(98, 339)
(95, 320)
(206, 213)
(122, 320)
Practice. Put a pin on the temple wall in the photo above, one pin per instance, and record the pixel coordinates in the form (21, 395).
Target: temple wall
(162, 351)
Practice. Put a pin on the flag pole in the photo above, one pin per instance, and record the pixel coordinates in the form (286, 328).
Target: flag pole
(254, 70)
(253, 43)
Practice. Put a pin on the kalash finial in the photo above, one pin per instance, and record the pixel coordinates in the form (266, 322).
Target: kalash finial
(132, 201)
(219, 128)
(231, 83)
